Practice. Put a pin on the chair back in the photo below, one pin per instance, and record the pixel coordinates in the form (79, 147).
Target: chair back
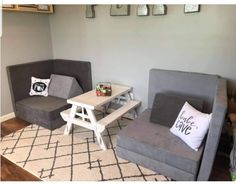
(197, 85)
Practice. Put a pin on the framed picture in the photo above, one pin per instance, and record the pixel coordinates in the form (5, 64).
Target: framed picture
(142, 10)
(8, 6)
(28, 5)
(120, 10)
(43, 7)
(159, 9)
(191, 8)
(90, 12)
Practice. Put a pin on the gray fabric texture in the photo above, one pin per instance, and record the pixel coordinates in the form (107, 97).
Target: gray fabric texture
(166, 108)
(214, 133)
(157, 166)
(159, 144)
(196, 85)
(80, 70)
(42, 108)
(49, 124)
(209, 88)
(64, 86)
(19, 77)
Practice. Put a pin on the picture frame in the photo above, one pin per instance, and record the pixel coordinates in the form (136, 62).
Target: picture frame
(43, 7)
(27, 6)
(120, 10)
(90, 11)
(191, 8)
(142, 10)
(160, 9)
(10, 6)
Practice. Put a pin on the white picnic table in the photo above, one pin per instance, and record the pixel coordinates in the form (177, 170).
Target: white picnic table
(83, 106)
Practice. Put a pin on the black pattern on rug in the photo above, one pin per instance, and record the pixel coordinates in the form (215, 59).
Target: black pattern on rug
(51, 155)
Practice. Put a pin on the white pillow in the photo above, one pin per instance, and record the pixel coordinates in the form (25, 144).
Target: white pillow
(191, 126)
(39, 86)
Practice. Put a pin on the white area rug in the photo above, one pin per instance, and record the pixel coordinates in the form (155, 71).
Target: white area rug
(50, 155)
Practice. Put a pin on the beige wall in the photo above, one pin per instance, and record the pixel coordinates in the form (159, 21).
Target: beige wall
(123, 49)
(26, 37)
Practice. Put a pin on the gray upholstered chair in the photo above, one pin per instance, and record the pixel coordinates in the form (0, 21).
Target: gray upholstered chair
(44, 111)
(153, 146)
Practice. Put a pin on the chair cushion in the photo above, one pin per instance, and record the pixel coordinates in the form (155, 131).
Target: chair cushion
(156, 142)
(64, 87)
(41, 109)
(166, 107)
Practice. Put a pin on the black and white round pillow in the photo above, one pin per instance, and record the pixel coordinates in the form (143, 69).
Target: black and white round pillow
(39, 86)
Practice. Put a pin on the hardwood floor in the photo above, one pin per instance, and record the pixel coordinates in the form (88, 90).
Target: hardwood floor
(9, 170)
(12, 172)
(12, 125)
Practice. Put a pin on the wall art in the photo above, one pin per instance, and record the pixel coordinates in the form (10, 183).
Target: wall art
(28, 5)
(142, 10)
(90, 12)
(43, 7)
(39, 8)
(120, 10)
(159, 9)
(191, 8)
(8, 6)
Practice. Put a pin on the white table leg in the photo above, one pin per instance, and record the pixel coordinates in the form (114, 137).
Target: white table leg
(71, 117)
(96, 131)
(100, 140)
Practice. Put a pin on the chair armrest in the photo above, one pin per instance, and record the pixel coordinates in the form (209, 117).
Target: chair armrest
(214, 133)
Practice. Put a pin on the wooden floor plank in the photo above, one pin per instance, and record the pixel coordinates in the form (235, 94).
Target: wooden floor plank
(12, 125)
(9, 170)
(12, 172)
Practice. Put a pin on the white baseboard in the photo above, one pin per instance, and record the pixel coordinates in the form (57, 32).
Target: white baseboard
(7, 117)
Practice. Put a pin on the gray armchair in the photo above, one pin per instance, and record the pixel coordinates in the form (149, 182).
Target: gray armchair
(44, 111)
(153, 146)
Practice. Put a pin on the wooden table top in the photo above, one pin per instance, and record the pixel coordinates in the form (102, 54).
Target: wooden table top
(91, 100)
